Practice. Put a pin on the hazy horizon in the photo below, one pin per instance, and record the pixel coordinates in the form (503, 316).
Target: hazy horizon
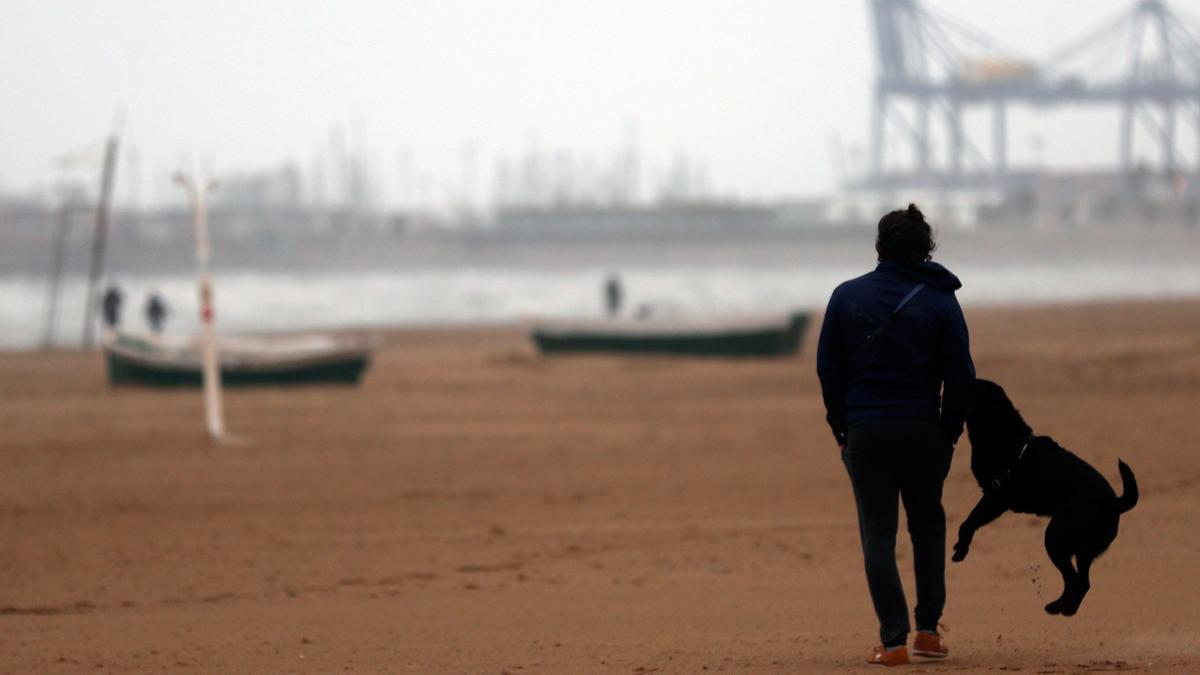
(756, 95)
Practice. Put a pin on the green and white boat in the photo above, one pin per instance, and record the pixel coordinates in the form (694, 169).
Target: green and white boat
(281, 360)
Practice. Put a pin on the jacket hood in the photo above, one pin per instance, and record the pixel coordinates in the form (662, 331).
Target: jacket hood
(929, 273)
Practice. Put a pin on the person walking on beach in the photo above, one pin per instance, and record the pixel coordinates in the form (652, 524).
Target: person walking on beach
(895, 370)
(156, 312)
(613, 294)
(110, 306)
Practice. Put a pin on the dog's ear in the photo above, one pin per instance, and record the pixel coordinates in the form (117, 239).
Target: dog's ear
(978, 394)
(985, 392)
(994, 412)
(987, 401)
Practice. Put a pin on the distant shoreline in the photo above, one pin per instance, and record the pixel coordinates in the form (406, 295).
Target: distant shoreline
(127, 254)
(430, 282)
(390, 332)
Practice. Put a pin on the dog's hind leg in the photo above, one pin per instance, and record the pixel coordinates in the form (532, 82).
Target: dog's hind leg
(1074, 597)
(1060, 550)
(1091, 535)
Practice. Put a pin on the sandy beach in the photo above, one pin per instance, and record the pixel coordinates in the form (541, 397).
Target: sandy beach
(473, 507)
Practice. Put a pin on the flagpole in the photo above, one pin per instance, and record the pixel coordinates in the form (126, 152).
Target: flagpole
(213, 415)
(100, 235)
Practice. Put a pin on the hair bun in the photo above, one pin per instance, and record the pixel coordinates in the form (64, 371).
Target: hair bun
(904, 236)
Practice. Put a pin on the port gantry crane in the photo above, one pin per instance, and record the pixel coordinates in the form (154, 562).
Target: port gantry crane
(1146, 62)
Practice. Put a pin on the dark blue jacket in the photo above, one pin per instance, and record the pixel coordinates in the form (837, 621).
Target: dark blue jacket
(901, 373)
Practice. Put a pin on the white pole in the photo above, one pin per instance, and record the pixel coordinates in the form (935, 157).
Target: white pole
(212, 375)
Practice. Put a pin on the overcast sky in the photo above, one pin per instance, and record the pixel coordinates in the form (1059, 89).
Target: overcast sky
(758, 90)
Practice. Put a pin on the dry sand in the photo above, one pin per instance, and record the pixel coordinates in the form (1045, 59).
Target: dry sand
(475, 508)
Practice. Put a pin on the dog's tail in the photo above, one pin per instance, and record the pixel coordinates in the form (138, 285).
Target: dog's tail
(1129, 498)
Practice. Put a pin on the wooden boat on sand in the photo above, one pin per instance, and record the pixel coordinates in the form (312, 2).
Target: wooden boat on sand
(170, 361)
(746, 337)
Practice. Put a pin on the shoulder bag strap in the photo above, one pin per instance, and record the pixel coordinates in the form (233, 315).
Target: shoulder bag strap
(886, 322)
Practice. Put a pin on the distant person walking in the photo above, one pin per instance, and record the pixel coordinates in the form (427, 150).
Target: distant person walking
(895, 371)
(156, 312)
(110, 306)
(613, 295)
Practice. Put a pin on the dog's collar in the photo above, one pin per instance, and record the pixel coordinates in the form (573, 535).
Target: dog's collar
(1000, 481)
(1025, 447)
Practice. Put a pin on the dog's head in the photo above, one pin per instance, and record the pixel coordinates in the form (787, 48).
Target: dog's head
(994, 424)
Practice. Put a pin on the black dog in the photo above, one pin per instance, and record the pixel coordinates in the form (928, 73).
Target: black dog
(1032, 474)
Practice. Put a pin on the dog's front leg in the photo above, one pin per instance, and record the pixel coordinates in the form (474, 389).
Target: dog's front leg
(989, 508)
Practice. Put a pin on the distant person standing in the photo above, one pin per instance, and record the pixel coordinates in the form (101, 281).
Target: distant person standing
(156, 312)
(895, 372)
(613, 295)
(110, 306)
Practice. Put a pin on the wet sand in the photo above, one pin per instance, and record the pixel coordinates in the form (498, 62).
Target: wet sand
(475, 508)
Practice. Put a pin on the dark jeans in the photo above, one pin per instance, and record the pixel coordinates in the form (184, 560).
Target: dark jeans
(908, 459)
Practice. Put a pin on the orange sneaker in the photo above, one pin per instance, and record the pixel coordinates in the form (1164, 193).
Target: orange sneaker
(888, 657)
(930, 645)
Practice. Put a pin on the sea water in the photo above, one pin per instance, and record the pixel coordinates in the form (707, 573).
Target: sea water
(294, 301)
